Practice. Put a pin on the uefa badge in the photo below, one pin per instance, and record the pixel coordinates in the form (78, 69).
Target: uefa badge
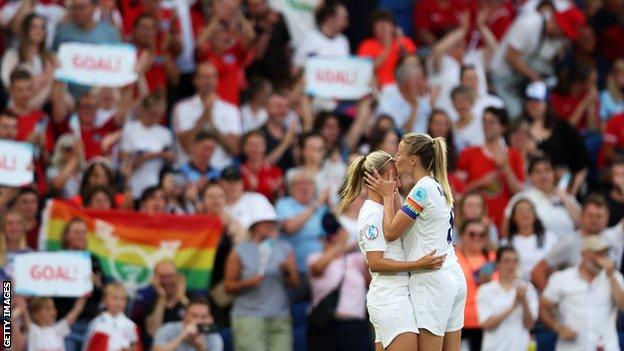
(371, 232)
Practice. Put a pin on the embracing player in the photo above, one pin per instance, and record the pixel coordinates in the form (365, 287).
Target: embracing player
(425, 223)
(388, 300)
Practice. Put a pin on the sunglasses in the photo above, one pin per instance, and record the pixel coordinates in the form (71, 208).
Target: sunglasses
(475, 234)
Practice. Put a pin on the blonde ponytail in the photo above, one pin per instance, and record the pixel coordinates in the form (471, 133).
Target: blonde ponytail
(432, 154)
(439, 168)
(352, 185)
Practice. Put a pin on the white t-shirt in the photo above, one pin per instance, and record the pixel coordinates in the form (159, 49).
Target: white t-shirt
(137, 138)
(253, 120)
(329, 177)
(48, 338)
(510, 334)
(587, 308)
(470, 135)
(448, 77)
(117, 332)
(393, 103)
(529, 253)
(384, 288)
(524, 36)
(550, 210)
(433, 222)
(243, 209)
(350, 226)
(225, 117)
(298, 15)
(318, 44)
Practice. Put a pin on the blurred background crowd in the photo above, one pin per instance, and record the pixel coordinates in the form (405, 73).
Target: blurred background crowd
(528, 94)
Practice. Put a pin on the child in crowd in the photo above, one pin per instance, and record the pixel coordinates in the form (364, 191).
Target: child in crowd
(112, 330)
(44, 332)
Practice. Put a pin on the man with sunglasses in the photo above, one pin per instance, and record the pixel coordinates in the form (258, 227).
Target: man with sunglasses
(585, 297)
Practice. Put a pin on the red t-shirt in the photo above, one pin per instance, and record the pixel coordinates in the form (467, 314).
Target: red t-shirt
(435, 17)
(501, 18)
(27, 123)
(373, 48)
(477, 162)
(92, 138)
(230, 65)
(614, 132)
(156, 75)
(267, 181)
(564, 105)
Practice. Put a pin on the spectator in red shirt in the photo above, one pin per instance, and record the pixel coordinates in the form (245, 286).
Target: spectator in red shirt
(613, 139)
(155, 60)
(20, 104)
(96, 140)
(259, 175)
(577, 101)
(493, 169)
(386, 46)
(433, 18)
(225, 41)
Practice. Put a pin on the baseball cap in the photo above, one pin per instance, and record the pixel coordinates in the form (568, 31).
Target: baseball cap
(570, 21)
(594, 243)
(231, 173)
(536, 91)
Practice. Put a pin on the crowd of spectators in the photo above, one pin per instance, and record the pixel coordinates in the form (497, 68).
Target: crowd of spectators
(529, 95)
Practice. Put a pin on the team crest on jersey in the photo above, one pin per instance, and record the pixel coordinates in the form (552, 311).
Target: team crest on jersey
(420, 194)
(371, 232)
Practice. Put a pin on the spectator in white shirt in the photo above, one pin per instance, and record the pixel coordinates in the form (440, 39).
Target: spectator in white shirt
(253, 112)
(405, 100)
(528, 236)
(558, 210)
(508, 307)
(207, 111)
(331, 19)
(146, 146)
(44, 332)
(567, 250)
(470, 76)
(528, 48)
(468, 127)
(581, 302)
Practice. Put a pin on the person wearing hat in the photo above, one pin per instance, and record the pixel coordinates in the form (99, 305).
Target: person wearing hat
(555, 137)
(258, 272)
(528, 49)
(580, 303)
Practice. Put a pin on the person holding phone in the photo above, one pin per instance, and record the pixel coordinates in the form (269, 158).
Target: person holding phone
(195, 332)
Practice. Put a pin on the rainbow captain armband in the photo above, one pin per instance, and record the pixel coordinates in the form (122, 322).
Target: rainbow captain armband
(412, 206)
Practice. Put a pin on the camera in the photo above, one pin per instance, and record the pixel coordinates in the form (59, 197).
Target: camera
(206, 328)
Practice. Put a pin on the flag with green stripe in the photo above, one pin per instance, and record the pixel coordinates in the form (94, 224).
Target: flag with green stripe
(129, 244)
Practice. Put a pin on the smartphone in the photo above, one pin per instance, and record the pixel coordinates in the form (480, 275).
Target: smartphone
(206, 328)
(564, 181)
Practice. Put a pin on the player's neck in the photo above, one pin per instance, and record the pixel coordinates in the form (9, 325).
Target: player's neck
(419, 174)
(375, 197)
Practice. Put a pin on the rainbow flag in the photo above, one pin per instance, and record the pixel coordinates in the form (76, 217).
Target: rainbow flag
(129, 244)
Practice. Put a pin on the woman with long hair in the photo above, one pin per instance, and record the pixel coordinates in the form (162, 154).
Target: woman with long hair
(12, 241)
(32, 55)
(425, 220)
(528, 236)
(388, 300)
(612, 97)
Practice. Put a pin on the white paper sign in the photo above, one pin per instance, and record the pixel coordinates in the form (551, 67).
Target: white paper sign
(16, 163)
(63, 273)
(109, 65)
(338, 78)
